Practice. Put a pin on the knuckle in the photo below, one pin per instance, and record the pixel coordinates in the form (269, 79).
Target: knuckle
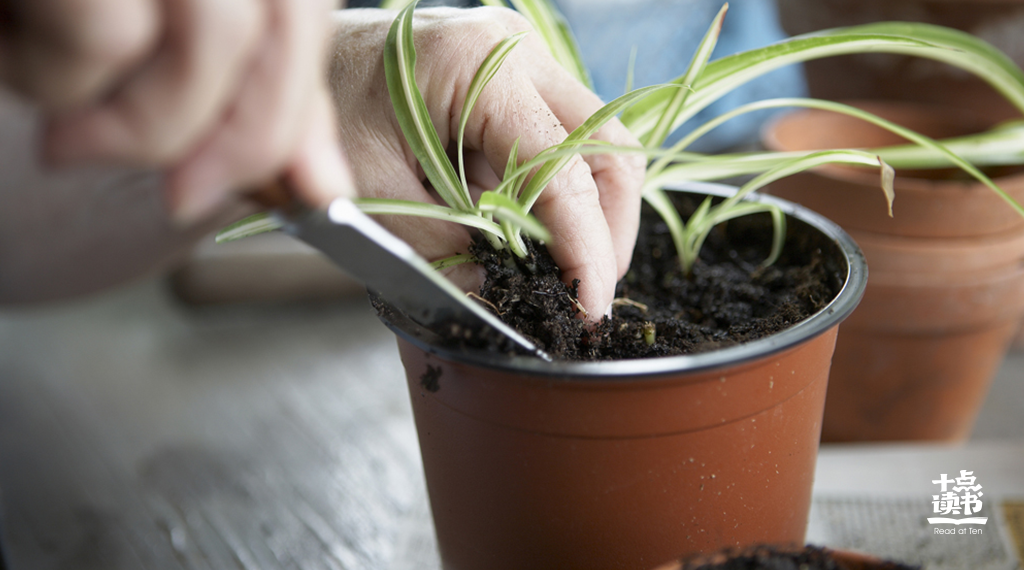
(574, 184)
(632, 166)
(579, 177)
(481, 35)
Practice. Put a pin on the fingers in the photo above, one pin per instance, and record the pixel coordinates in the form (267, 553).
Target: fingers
(581, 241)
(170, 102)
(279, 98)
(580, 206)
(234, 94)
(64, 53)
(592, 207)
(619, 177)
(382, 164)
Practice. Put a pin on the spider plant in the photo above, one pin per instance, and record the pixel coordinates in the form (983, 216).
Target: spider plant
(511, 201)
(659, 114)
(653, 113)
(513, 198)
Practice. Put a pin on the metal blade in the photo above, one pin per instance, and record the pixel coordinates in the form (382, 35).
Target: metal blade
(390, 268)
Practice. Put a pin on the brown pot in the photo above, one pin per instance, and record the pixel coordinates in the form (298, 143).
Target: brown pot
(946, 292)
(623, 464)
(846, 560)
(888, 76)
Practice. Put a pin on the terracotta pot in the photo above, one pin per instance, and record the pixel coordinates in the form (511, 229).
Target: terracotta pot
(846, 560)
(623, 464)
(946, 293)
(889, 76)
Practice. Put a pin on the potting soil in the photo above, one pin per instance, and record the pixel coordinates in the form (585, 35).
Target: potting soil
(769, 558)
(728, 298)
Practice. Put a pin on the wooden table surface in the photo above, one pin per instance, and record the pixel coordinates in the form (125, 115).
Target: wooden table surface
(136, 433)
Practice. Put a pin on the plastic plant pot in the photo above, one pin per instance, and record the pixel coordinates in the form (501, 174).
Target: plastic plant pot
(624, 464)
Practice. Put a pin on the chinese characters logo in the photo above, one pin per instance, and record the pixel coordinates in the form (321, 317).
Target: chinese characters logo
(960, 496)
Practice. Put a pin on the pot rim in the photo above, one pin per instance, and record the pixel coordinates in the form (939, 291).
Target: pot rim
(616, 370)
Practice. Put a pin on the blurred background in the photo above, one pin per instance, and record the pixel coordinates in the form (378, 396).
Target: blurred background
(248, 410)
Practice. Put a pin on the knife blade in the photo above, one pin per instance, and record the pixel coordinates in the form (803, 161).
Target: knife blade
(391, 269)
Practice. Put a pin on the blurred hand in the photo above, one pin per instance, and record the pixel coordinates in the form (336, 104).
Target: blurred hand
(221, 94)
(592, 207)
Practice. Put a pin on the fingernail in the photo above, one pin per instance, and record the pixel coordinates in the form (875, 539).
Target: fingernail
(608, 311)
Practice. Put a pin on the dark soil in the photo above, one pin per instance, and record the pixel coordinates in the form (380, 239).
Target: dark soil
(728, 299)
(768, 558)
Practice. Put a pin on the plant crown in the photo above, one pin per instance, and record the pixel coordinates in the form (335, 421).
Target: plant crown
(653, 113)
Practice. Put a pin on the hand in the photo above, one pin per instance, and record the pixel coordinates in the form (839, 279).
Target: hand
(592, 207)
(221, 94)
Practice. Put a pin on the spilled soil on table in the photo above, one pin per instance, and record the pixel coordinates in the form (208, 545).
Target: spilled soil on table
(771, 558)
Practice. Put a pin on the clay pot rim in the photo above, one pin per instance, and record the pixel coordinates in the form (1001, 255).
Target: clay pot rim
(825, 319)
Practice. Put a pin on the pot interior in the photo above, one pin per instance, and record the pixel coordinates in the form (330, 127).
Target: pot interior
(853, 277)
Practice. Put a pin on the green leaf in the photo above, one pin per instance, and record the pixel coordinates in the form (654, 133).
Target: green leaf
(568, 149)
(701, 212)
(693, 239)
(789, 167)
(1001, 145)
(557, 36)
(250, 226)
(689, 237)
(388, 206)
(662, 204)
(724, 166)
(741, 209)
(630, 70)
(512, 189)
(505, 208)
(663, 127)
(394, 4)
(779, 234)
(452, 261)
(412, 114)
(580, 136)
(725, 74)
(484, 74)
